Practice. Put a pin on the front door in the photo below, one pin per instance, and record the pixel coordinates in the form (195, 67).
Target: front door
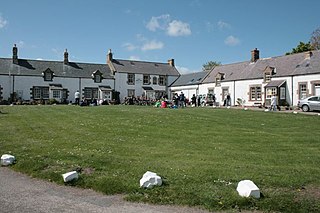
(317, 90)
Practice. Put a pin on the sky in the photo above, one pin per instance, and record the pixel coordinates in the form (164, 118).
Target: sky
(192, 32)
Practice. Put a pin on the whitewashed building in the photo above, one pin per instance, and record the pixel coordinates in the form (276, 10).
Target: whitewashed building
(147, 80)
(38, 80)
(252, 83)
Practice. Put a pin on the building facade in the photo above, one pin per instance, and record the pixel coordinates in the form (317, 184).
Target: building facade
(253, 83)
(38, 80)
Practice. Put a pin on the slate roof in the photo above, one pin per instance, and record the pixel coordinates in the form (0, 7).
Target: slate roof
(190, 79)
(142, 67)
(289, 65)
(27, 67)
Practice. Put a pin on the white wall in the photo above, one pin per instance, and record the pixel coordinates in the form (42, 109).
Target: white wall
(23, 84)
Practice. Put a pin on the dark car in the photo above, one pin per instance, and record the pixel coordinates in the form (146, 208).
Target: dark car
(310, 104)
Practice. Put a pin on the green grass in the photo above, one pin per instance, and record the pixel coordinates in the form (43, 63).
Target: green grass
(194, 149)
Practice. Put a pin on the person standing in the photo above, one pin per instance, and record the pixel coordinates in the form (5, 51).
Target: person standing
(274, 103)
(194, 100)
(77, 97)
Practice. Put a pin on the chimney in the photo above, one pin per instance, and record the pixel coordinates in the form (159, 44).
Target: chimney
(66, 57)
(254, 55)
(15, 54)
(308, 55)
(171, 62)
(109, 56)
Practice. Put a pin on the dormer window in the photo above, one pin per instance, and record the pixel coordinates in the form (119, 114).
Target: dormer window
(97, 76)
(268, 72)
(48, 75)
(219, 77)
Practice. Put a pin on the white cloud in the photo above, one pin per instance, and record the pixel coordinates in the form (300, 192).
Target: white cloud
(223, 25)
(172, 28)
(129, 46)
(3, 22)
(178, 28)
(152, 45)
(231, 41)
(159, 22)
(39, 59)
(185, 70)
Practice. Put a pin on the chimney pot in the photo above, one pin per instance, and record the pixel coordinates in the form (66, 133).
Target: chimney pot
(171, 62)
(308, 54)
(15, 54)
(255, 55)
(66, 57)
(109, 56)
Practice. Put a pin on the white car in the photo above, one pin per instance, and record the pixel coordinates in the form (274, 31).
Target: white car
(310, 104)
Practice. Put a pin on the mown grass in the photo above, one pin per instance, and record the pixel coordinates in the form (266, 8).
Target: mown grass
(196, 150)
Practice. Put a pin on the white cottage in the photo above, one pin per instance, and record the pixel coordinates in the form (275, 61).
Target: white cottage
(38, 80)
(252, 83)
(147, 80)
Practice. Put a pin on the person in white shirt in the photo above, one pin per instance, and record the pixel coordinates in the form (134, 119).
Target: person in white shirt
(77, 97)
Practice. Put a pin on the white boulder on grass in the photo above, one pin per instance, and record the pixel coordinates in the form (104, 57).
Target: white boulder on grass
(7, 159)
(70, 176)
(247, 188)
(266, 110)
(295, 112)
(150, 179)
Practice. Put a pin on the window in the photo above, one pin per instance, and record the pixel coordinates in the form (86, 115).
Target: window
(268, 72)
(48, 75)
(218, 82)
(255, 93)
(90, 93)
(302, 91)
(162, 80)
(97, 76)
(271, 91)
(282, 93)
(130, 79)
(267, 77)
(131, 92)
(97, 79)
(154, 80)
(210, 91)
(56, 94)
(146, 79)
(40, 93)
(219, 77)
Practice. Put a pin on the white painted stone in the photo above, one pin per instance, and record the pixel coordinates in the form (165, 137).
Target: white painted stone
(228, 107)
(295, 112)
(247, 188)
(246, 108)
(266, 110)
(7, 159)
(318, 114)
(70, 176)
(150, 179)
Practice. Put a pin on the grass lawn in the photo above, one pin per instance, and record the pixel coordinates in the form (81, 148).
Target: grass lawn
(196, 150)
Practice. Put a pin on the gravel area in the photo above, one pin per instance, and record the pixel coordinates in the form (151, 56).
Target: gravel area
(20, 193)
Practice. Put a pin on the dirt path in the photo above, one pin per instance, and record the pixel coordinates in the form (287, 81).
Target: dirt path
(20, 193)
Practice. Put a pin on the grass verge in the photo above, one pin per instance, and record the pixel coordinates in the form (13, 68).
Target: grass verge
(196, 150)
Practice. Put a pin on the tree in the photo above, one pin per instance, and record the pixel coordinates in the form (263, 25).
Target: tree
(210, 65)
(315, 39)
(301, 47)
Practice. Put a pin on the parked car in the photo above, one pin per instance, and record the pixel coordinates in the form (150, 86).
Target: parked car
(310, 104)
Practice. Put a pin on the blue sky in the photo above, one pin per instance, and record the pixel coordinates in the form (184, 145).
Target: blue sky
(190, 31)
